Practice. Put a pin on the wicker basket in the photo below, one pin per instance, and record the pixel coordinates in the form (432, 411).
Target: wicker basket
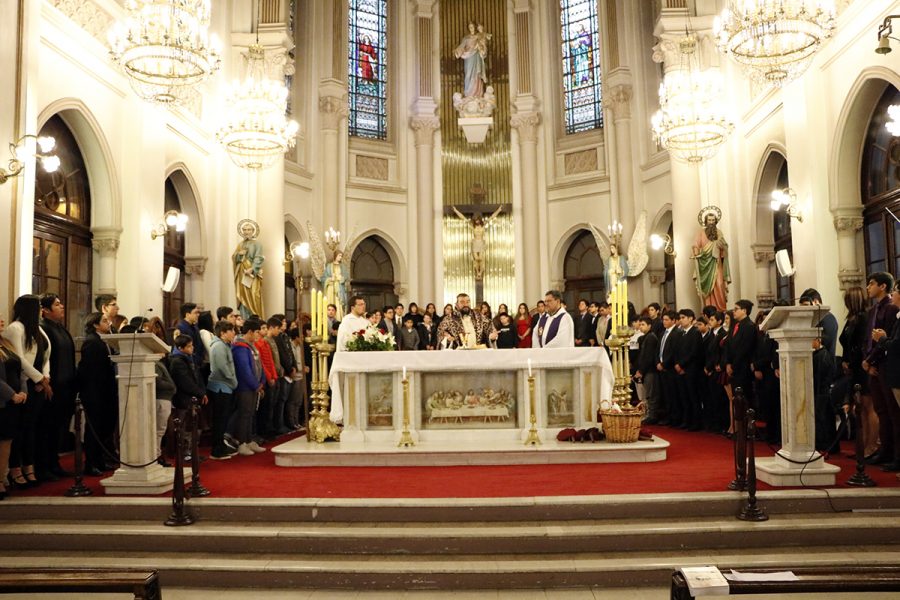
(622, 427)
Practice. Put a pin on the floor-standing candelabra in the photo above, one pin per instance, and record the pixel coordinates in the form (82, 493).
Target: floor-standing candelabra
(621, 364)
(321, 428)
(533, 437)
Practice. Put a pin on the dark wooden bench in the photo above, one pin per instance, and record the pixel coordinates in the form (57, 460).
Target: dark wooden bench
(143, 583)
(809, 580)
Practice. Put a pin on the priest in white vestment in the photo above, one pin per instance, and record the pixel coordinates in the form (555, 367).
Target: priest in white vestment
(555, 328)
(352, 323)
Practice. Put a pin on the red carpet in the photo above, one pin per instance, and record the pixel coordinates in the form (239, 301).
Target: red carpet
(697, 462)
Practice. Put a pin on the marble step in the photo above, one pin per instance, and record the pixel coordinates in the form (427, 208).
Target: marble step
(504, 571)
(621, 535)
(450, 510)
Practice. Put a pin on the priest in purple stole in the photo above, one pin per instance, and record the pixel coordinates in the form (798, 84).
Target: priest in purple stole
(555, 328)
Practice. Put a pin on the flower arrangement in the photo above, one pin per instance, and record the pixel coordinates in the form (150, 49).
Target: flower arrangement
(370, 339)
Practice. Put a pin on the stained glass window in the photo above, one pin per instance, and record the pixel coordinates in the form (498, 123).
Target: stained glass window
(368, 68)
(581, 65)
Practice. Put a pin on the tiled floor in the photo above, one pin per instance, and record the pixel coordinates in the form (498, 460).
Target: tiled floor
(654, 593)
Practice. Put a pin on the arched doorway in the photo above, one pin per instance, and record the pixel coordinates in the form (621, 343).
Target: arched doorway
(781, 234)
(372, 274)
(668, 286)
(880, 180)
(61, 252)
(583, 271)
(173, 257)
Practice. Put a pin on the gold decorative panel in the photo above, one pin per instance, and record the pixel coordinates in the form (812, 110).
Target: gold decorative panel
(490, 163)
(499, 261)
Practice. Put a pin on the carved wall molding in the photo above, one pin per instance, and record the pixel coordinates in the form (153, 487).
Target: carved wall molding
(845, 224)
(106, 245)
(332, 109)
(527, 126)
(763, 253)
(87, 15)
(195, 265)
(424, 128)
(618, 100)
(583, 161)
(765, 299)
(657, 276)
(371, 167)
(849, 278)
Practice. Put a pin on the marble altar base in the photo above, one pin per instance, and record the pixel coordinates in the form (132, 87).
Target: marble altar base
(444, 452)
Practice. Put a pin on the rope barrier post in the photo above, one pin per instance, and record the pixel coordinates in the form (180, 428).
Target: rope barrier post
(78, 488)
(751, 511)
(860, 478)
(180, 516)
(739, 483)
(196, 490)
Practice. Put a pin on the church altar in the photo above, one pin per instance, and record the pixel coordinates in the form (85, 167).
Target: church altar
(484, 392)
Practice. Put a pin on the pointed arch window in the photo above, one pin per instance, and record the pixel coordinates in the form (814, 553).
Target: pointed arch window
(580, 36)
(367, 85)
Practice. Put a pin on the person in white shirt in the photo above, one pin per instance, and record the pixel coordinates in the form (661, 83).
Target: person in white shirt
(353, 322)
(555, 329)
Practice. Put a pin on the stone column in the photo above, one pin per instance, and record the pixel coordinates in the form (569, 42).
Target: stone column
(106, 243)
(686, 202)
(424, 128)
(618, 100)
(526, 125)
(764, 255)
(194, 268)
(270, 216)
(332, 110)
(849, 272)
(657, 280)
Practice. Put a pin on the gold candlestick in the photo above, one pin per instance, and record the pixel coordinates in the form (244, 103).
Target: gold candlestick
(406, 440)
(321, 428)
(533, 439)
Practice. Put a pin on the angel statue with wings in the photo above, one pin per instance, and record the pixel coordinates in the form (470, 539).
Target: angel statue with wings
(616, 267)
(478, 227)
(332, 275)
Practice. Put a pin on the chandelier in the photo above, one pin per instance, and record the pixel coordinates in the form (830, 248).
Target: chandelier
(775, 39)
(692, 121)
(255, 130)
(163, 47)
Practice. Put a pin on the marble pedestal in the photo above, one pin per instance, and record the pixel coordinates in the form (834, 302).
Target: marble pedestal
(136, 361)
(797, 463)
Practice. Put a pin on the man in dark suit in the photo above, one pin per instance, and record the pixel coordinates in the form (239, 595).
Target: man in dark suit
(882, 316)
(665, 366)
(656, 325)
(541, 309)
(740, 349)
(715, 410)
(646, 374)
(389, 325)
(890, 345)
(594, 312)
(687, 367)
(828, 324)
(583, 325)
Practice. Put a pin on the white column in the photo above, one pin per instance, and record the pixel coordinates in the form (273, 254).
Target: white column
(424, 128)
(618, 100)
(685, 208)
(270, 216)
(106, 244)
(849, 272)
(332, 109)
(764, 256)
(194, 268)
(526, 125)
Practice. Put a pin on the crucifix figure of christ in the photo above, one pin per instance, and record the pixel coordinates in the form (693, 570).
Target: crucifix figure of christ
(479, 224)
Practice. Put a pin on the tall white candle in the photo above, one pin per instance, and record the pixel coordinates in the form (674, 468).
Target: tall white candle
(404, 372)
(529, 368)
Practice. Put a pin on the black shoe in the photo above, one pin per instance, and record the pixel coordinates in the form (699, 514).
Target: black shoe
(891, 467)
(60, 472)
(92, 471)
(161, 461)
(879, 458)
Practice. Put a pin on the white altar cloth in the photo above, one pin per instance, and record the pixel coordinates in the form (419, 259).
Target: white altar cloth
(466, 360)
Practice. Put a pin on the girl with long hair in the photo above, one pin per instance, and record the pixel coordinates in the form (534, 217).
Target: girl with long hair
(853, 341)
(523, 325)
(32, 346)
(13, 393)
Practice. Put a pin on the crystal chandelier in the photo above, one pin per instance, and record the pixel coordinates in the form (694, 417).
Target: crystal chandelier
(692, 121)
(163, 47)
(255, 130)
(775, 39)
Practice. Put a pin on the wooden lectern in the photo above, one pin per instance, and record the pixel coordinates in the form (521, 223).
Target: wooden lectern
(138, 353)
(794, 328)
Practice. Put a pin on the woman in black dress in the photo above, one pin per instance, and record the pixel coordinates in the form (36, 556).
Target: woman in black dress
(13, 392)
